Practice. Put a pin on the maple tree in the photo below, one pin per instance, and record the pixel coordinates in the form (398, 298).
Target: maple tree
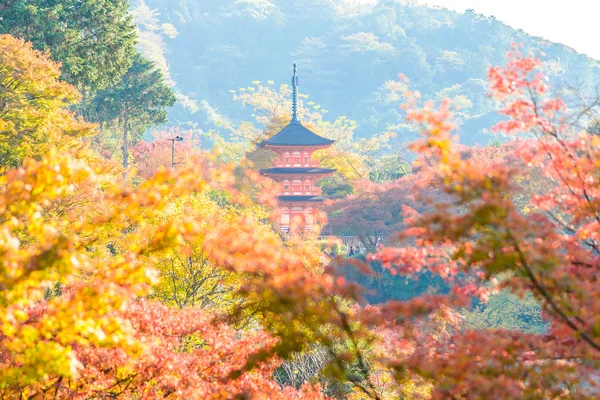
(374, 209)
(34, 115)
(80, 249)
(480, 234)
(97, 336)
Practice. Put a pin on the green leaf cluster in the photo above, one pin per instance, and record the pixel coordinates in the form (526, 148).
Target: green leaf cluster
(92, 39)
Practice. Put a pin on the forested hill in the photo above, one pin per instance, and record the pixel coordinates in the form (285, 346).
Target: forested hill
(348, 56)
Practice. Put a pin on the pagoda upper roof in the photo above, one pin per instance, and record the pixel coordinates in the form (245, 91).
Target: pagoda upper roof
(296, 170)
(296, 134)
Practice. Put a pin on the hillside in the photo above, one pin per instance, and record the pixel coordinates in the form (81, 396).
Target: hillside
(348, 57)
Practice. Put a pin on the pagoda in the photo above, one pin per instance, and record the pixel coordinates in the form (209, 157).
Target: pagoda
(295, 171)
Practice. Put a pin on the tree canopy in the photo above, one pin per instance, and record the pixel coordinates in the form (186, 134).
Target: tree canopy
(175, 281)
(137, 102)
(93, 40)
(34, 104)
(349, 56)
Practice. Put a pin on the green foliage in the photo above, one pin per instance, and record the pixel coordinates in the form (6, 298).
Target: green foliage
(93, 39)
(389, 167)
(349, 56)
(332, 247)
(137, 102)
(383, 286)
(335, 186)
(507, 311)
(141, 97)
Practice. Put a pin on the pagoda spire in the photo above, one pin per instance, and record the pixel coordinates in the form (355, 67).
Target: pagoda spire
(295, 97)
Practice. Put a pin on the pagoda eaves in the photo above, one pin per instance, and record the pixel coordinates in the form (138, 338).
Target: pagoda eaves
(296, 134)
(295, 171)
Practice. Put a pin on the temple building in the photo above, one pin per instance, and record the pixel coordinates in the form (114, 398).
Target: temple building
(295, 170)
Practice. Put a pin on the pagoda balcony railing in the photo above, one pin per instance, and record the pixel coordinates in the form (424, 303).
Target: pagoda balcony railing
(314, 192)
(297, 165)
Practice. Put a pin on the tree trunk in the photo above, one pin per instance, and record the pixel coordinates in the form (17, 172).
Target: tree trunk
(369, 246)
(125, 141)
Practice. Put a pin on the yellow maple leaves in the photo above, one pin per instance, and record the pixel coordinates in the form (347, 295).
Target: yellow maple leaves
(34, 114)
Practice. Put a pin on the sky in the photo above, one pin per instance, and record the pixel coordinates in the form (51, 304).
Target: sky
(574, 23)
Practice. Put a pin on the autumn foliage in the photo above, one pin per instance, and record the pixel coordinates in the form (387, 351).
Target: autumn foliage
(33, 109)
(80, 249)
(151, 156)
(176, 285)
(481, 240)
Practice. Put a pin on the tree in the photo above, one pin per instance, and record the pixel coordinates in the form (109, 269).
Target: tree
(507, 311)
(389, 167)
(191, 278)
(376, 209)
(96, 336)
(93, 40)
(137, 102)
(150, 156)
(182, 358)
(479, 235)
(34, 104)
(79, 252)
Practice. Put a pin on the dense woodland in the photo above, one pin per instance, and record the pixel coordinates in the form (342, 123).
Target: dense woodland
(349, 58)
(137, 266)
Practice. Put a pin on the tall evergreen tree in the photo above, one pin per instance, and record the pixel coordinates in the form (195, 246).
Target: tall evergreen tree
(93, 39)
(137, 102)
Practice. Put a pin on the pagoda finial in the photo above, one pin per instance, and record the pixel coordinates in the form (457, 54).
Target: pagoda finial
(295, 97)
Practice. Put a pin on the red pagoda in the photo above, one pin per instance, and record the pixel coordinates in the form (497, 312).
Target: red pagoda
(296, 171)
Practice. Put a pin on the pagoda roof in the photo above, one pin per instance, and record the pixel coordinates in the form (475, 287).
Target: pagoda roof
(301, 199)
(296, 170)
(296, 134)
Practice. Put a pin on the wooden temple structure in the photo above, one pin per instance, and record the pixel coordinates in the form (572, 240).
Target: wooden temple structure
(296, 171)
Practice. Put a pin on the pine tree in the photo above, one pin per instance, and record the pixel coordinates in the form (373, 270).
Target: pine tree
(136, 103)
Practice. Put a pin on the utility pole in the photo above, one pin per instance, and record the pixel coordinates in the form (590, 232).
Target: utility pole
(173, 140)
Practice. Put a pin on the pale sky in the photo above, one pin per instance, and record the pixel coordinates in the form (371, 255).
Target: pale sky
(575, 23)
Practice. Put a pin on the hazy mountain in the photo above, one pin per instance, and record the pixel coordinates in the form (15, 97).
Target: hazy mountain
(348, 56)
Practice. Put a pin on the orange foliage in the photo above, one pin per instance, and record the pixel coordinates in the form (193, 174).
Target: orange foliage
(479, 235)
(79, 249)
